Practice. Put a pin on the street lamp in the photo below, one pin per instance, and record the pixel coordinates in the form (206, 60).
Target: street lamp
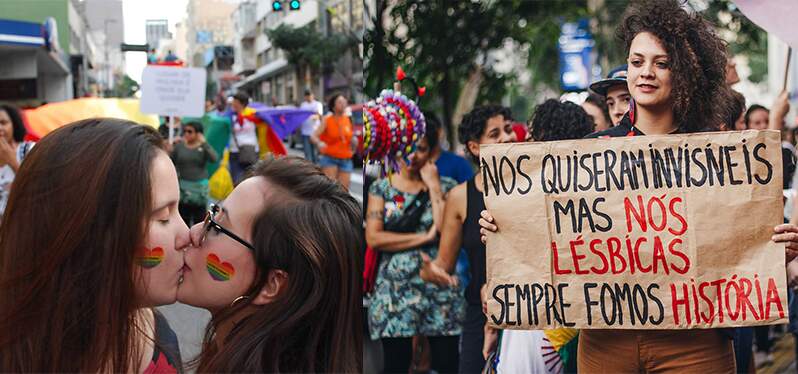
(107, 60)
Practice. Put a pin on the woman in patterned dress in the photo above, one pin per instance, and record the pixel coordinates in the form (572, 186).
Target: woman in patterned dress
(404, 217)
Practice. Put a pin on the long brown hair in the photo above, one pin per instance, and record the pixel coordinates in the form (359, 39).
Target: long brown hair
(312, 231)
(77, 211)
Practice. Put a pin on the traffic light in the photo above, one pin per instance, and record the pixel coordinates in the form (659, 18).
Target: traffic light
(294, 5)
(277, 6)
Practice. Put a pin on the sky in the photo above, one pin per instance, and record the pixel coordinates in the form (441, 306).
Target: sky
(136, 12)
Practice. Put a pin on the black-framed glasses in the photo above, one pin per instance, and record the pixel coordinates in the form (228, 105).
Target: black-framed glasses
(210, 224)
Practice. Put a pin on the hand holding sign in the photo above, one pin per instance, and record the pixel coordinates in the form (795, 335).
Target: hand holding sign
(787, 234)
(486, 225)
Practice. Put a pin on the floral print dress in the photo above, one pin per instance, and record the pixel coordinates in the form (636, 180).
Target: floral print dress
(402, 304)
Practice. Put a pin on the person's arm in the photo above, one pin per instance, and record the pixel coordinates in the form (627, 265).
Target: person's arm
(210, 154)
(779, 110)
(387, 241)
(315, 136)
(431, 179)
(439, 270)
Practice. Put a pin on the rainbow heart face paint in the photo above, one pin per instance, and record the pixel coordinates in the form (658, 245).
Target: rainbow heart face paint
(220, 271)
(149, 258)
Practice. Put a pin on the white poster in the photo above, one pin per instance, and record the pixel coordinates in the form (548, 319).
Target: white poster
(173, 91)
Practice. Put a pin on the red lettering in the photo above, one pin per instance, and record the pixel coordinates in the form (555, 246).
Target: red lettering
(598, 253)
(659, 255)
(759, 296)
(729, 285)
(710, 304)
(719, 293)
(680, 254)
(678, 217)
(637, 255)
(631, 257)
(615, 253)
(556, 260)
(744, 295)
(663, 213)
(639, 214)
(675, 302)
(576, 257)
(773, 298)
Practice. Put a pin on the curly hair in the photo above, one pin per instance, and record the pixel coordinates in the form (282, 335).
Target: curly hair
(473, 124)
(554, 120)
(697, 58)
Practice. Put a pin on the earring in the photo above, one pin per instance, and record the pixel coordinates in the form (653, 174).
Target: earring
(238, 299)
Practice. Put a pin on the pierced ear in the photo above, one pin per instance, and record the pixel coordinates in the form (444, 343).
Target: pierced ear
(275, 282)
(473, 147)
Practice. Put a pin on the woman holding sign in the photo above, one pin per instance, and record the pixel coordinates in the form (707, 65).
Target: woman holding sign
(677, 82)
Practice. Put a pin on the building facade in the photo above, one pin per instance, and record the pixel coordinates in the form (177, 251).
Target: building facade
(73, 39)
(267, 74)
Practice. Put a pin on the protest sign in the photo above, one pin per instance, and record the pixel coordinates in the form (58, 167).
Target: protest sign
(655, 232)
(173, 91)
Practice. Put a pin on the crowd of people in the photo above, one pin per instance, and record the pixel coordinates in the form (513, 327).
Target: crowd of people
(427, 313)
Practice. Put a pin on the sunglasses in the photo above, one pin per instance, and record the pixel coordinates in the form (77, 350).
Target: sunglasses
(210, 224)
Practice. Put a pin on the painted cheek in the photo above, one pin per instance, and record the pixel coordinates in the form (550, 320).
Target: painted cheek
(219, 270)
(149, 258)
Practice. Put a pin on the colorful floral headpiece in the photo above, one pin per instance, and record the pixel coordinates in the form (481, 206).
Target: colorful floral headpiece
(393, 124)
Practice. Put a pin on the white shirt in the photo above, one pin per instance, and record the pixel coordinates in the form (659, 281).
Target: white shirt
(245, 135)
(7, 174)
(527, 352)
(310, 125)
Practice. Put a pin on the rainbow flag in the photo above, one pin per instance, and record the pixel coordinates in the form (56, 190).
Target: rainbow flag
(46, 118)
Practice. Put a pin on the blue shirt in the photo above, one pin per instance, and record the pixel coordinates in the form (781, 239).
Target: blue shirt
(454, 166)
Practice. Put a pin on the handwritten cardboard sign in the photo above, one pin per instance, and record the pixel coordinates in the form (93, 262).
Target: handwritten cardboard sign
(173, 91)
(654, 232)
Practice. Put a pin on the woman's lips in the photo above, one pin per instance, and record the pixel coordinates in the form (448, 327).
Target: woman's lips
(646, 88)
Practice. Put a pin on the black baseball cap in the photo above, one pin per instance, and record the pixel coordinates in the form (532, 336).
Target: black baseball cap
(615, 77)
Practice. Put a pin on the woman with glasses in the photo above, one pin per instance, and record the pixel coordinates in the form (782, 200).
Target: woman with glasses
(91, 240)
(277, 266)
(190, 157)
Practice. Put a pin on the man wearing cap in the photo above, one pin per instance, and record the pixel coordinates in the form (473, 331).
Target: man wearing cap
(310, 125)
(615, 92)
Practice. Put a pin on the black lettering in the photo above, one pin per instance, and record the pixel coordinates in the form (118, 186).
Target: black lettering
(586, 168)
(598, 172)
(564, 305)
(640, 300)
(505, 160)
(568, 209)
(765, 162)
(524, 175)
(496, 293)
(656, 300)
(698, 182)
(606, 288)
(588, 302)
(714, 167)
(674, 164)
(492, 177)
(609, 167)
(639, 163)
(747, 162)
(563, 187)
(551, 186)
(731, 164)
(522, 294)
(623, 293)
(601, 214)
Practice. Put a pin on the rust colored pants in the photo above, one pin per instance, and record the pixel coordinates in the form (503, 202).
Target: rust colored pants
(655, 351)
